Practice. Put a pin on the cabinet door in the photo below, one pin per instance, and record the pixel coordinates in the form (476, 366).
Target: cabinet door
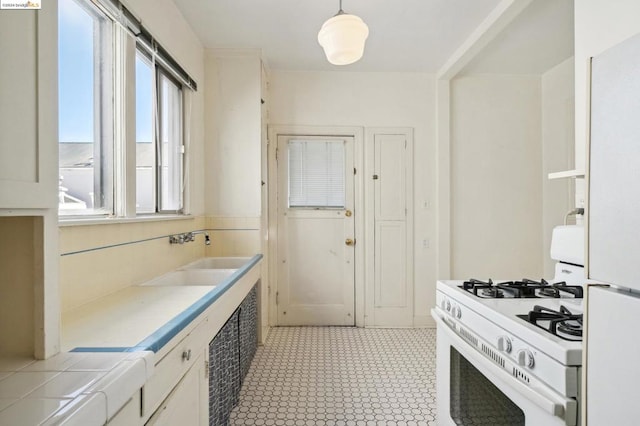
(129, 415)
(187, 403)
(28, 108)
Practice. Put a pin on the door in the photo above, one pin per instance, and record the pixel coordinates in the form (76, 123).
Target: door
(316, 282)
(391, 301)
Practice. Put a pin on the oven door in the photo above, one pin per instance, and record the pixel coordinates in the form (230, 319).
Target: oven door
(472, 390)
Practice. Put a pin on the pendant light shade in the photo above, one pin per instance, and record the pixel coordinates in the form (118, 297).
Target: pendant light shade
(342, 38)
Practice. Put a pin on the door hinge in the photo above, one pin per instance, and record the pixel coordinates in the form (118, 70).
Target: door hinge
(277, 149)
(354, 170)
(405, 212)
(277, 294)
(405, 144)
(206, 368)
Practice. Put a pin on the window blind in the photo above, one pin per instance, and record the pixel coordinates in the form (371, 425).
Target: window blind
(316, 173)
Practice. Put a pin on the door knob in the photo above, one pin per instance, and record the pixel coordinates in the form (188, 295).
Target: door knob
(350, 242)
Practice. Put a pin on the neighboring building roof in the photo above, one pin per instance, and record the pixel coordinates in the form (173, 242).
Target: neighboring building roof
(80, 154)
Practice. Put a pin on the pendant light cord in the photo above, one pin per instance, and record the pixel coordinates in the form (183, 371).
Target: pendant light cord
(340, 12)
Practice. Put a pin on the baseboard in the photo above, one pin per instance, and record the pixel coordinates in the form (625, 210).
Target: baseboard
(264, 334)
(423, 321)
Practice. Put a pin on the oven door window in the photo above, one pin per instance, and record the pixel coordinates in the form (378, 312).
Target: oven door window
(474, 400)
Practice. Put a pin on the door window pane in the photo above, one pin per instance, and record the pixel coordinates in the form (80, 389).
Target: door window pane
(145, 148)
(316, 173)
(474, 400)
(85, 110)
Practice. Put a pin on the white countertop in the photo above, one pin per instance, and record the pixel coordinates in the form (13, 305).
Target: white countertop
(70, 388)
(116, 339)
(127, 317)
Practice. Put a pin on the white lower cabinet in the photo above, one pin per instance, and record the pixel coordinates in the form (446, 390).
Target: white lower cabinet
(188, 402)
(198, 381)
(129, 414)
(173, 367)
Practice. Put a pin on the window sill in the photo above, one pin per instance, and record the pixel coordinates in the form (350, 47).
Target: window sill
(79, 221)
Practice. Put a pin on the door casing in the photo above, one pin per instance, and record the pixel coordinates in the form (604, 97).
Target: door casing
(357, 133)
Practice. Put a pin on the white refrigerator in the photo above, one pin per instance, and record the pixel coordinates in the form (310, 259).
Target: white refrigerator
(612, 343)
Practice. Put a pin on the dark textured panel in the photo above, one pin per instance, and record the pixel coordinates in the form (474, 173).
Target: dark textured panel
(248, 331)
(224, 373)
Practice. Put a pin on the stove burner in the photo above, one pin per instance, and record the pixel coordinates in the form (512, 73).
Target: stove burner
(484, 289)
(576, 290)
(525, 288)
(491, 292)
(472, 283)
(562, 323)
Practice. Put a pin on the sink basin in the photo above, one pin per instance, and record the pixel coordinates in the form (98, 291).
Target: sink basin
(217, 263)
(204, 277)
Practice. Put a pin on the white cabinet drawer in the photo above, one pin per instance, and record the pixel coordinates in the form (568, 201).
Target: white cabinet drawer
(173, 366)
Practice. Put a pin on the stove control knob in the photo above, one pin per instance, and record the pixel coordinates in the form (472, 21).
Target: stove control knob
(446, 304)
(525, 358)
(504, 344)
(456, 311)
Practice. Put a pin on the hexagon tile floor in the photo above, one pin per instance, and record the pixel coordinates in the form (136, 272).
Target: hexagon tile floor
(339, 376)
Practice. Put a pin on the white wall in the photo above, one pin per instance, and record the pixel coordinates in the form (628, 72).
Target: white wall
(599, 25)
(558, 141)
(374, 100)
(496, 196)
(233, 129)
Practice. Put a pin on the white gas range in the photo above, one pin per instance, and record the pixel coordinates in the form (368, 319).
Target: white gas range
(510, 352)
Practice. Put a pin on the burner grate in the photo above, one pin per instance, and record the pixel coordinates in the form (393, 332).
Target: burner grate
(562, 323)
(522, 289)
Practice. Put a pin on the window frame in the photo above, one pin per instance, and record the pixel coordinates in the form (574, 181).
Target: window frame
(103, 118)
(121, 46)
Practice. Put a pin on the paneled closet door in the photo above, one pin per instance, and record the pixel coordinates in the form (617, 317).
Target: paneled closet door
(390, 301)
(28, 106)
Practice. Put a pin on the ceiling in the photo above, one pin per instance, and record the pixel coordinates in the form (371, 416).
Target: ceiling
(405, 35)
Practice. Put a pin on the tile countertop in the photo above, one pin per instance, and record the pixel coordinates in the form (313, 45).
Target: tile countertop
(70, 388)
(141, 317)
(109, 350)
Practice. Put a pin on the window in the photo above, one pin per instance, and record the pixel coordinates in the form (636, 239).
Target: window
(96, 44)
(316, 174)
(145, 146)
(85, 110)
(170, 141)
(159, 148)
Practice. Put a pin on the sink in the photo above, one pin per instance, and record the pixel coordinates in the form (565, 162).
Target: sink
(204, 277)
(217, 263)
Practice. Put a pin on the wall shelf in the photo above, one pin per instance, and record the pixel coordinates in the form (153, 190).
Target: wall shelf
(567, 174)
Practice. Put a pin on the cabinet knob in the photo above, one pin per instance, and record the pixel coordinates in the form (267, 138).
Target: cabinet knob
(186, 355)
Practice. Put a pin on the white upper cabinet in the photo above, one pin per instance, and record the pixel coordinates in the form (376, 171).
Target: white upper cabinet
(28, 108)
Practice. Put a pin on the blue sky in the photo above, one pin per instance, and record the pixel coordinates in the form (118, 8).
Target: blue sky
(76, 79)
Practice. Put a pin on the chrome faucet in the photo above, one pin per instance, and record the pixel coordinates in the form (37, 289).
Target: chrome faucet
(188, 237)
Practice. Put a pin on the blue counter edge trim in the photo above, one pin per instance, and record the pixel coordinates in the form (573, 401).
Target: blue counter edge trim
(164, 334)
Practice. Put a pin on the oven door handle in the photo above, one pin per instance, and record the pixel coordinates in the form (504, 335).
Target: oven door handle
(537, 396)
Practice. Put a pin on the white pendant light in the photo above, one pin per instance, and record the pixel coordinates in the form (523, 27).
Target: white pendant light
(342, 38)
